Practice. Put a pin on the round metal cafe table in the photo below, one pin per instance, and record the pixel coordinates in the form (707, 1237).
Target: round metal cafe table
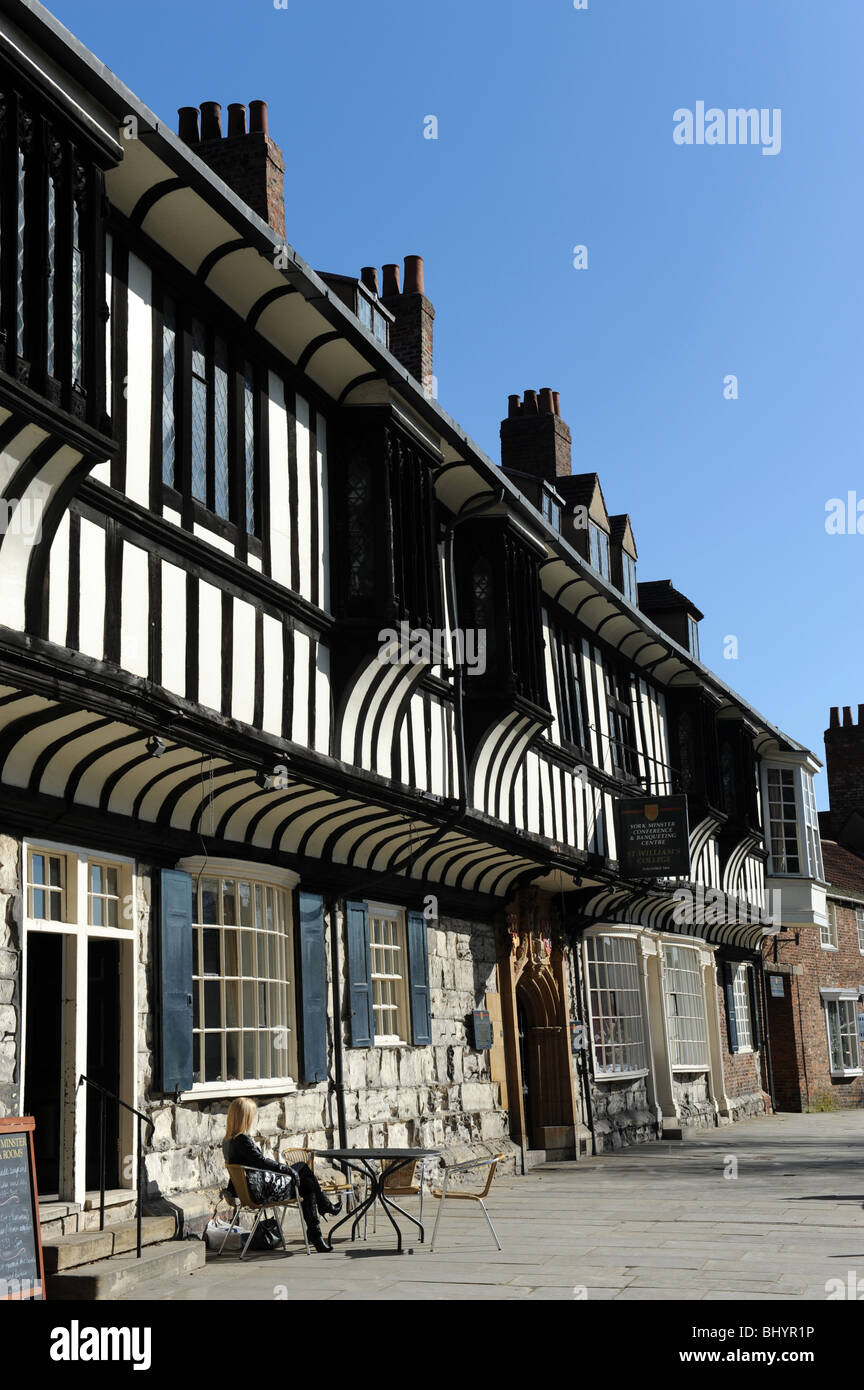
(363, 1160)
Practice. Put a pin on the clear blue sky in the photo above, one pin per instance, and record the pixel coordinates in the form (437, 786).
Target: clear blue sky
(555, 129)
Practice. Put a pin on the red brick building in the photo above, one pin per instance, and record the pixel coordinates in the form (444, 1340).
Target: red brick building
(815, 975)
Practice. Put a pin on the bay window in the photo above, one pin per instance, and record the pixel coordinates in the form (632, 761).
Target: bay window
(615, 994)
(685, 1008)
(792, 822)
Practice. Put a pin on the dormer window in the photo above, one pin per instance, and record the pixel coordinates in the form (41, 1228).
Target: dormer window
(629, 578)
(693, 637)
(598, 552)
(372, 319)
(550, 505)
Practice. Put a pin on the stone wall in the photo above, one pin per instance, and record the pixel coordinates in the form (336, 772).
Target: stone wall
(434, 1096)
(622, 1114)
(692, 1100)
(10, 981)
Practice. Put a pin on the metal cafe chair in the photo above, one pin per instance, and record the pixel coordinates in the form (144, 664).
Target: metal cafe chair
(462, 1195)
(243, 1202)
(329, 1185)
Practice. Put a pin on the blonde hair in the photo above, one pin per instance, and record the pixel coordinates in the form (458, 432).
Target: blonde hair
(241, 1114)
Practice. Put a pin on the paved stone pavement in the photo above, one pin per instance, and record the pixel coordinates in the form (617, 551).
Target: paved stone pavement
(661, 1221)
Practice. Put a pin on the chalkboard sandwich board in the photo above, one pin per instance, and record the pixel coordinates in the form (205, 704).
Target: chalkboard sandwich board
(21, 1270)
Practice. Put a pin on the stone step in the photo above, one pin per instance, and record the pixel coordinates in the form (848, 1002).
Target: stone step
(83, 1247)
(124, 1276)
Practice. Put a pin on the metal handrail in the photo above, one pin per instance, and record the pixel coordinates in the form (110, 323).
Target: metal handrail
(139, 1174)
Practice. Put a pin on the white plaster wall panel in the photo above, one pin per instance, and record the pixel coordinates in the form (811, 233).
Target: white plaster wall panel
(302, 512)
(243, 660)
(323, 516)
(58, 584)
(323, 714)
(209, 646)
(135, 611)
(91, 619)
(174, 628)
(280, 498)
(300, 721)
(273, 676)
(139, 381)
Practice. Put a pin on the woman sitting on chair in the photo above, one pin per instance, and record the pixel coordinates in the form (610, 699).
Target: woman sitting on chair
(239, 1147)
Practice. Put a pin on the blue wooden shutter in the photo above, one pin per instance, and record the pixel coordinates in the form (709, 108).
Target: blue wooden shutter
(312, 1057)
(359, 975)
(418, 969)
(731, 1021)
(754, 1007)
(174, 1063)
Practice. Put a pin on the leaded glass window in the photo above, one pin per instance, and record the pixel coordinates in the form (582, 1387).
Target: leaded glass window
(77, 297)
(20, 253)
(169, 376)
(52, 258)
(199, 411)
(359, 520)
(249, 445)
(221, 474)
(387, 957)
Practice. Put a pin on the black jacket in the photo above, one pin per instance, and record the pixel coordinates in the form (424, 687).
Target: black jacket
(243, 1150)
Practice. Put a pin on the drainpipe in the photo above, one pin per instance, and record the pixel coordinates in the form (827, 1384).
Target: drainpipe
(576, 951)
(338, 1059)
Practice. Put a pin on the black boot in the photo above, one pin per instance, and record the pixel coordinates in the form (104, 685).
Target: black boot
(329, 1208)
(313, 1227)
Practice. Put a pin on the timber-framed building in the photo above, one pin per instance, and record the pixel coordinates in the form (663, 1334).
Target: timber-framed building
(265, 826)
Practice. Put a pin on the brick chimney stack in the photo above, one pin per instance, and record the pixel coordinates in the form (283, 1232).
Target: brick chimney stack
(844, 763)
(411, 334)
(534, 438)
(248, 161)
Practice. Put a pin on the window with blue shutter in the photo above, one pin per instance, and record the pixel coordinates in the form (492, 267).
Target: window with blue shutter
(359, 974)
(731, 1020)
(418, 978)
(174, 1061)
(754, 1008)
(313, 988)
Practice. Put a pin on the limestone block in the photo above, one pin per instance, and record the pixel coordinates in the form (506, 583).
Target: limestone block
(476, 1096)
(8, 1019)
(7, 991)
(162, 1137)
(389, 1066)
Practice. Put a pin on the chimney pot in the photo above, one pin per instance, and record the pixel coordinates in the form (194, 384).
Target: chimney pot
(847, 717)
(258, 117)
(236, 118)
(414, 275)
(556, 398)
(390, 281)
(187, 126)
(530, 404)
(514, 407)
(211, 120)
(547, 401)
(861, 717)
(834, 720)
(369, 277)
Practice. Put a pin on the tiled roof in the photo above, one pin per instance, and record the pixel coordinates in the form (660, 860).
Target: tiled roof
(843, 870)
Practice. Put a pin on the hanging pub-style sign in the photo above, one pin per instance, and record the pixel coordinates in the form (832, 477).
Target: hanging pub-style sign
(653, 837)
